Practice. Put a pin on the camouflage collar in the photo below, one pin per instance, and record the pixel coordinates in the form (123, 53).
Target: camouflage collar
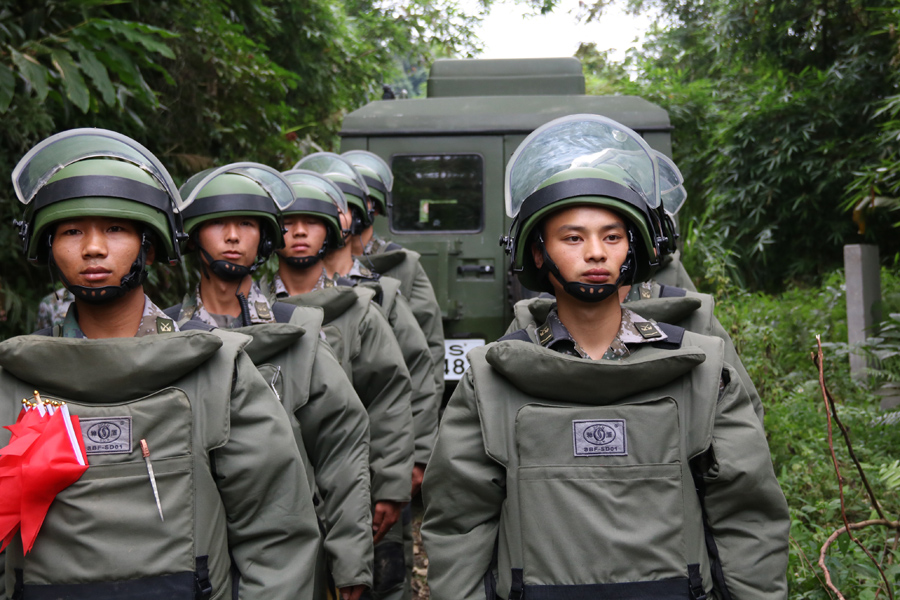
(279, 290)
(358, 272)
(634, 329)
(258, 306)
(376, 245)
(153, 322)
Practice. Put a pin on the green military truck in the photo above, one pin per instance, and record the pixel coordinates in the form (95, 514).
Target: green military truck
(449, 152)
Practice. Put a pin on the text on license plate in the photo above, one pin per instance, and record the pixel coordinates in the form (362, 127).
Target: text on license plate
(455, 362)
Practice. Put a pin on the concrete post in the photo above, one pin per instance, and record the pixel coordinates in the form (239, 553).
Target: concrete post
(863, 276)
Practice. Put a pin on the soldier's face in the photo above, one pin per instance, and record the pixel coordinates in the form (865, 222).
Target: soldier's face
(233, 239)
(589, 244)
(305, 236)
(97, 251)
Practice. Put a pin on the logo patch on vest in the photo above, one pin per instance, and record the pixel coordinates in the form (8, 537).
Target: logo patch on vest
(106, 435)
(262, 310)
(600, 438)
(164, 325)
(544, 335)
(648, 330)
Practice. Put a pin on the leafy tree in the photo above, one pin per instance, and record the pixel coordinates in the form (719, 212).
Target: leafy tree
(775, 106)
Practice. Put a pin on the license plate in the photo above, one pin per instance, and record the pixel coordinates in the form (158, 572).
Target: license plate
(455, 361)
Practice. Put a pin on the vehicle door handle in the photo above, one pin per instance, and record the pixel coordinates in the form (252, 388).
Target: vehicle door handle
(486, 269)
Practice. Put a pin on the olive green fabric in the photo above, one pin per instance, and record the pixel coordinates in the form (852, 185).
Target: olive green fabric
(366, 348)
(672, 272)
(504, 471)
(415, 286)
(203, 408)
(425, 399)
(331, 427)
(694, 311)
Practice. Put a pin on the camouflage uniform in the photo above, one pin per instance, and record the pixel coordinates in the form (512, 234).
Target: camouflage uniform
(277, 289)
(53, 307)
(153, 321)
(257, 305)
(554, 335)
(378, 244)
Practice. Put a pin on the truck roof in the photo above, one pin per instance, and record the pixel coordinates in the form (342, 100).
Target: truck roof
(482, 115)
(505, 77)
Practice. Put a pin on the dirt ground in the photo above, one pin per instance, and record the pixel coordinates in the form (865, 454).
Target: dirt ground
(420, 568)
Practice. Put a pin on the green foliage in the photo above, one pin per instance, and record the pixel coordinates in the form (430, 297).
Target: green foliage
(774, 336)
(775, 107)
(200, 83)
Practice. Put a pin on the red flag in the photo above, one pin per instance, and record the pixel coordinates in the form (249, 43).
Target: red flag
(49, 467)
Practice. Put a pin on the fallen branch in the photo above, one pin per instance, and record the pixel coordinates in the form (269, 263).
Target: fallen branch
(831, 411)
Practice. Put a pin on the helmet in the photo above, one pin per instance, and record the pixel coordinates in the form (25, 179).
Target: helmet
(320, 197)
(239, 189)
(377, 175)
(348, 179)
(578, 160)
(96, 172)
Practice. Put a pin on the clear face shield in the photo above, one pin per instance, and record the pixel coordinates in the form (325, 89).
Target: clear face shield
(671, 184)
(275, 185)
(373, 162)
(329, 162)
(581, 141)
(63, 149)
(305, 178)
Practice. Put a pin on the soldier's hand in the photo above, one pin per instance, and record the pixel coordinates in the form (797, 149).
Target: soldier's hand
(352, 592)
(383, 518)
(418, 474)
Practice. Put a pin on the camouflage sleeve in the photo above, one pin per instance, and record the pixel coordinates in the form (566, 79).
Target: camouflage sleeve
(426, 397)
(747, 510)
(272, 529)
(335, 430)
(427, 311)
(463, 492)
(381, 379)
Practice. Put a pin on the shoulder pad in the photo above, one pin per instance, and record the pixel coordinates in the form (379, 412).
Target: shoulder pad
(345, 282)
(47, 331)
(520, 335)
(282, 311)
(674, 336)
(392, 246)
(173, 312)
(671, 291)
(195, 325)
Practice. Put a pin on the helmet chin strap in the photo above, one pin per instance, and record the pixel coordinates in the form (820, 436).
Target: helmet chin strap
(101, 295)
(591, 292)
(305, 262)
(222, 268)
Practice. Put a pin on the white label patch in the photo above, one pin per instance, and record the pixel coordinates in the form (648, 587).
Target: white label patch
(106, 435)
(600, 438)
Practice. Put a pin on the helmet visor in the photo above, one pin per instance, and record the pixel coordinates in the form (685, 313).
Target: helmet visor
(374, 162)
(671, 188)
(276, 186)
(329, 162)
(580, 141)
(301, 178)
(61, 150)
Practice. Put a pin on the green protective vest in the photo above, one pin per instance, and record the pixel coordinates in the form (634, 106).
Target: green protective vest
(331, 428)
(693, 311)
(643, 515)
(579, 479)
(366, 349)
(426, 396)
(204, 410)
(404, 265)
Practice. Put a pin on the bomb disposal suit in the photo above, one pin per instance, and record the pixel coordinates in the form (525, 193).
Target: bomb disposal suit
(330, 423)
(234, 516)
(364, 343)
(641, 475)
